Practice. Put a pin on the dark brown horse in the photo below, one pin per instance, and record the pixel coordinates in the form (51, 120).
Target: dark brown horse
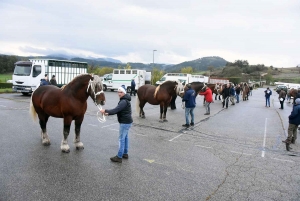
(160, 95)
(69, 103)
(293, 93)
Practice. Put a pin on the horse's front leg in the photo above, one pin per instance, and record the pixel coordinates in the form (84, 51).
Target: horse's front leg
(64, 144)
(78, 143)
(45, 137)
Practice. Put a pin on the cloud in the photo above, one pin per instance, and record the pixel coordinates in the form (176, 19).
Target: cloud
(260, 31)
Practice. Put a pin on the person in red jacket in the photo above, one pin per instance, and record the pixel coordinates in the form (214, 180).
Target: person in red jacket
(208, 98)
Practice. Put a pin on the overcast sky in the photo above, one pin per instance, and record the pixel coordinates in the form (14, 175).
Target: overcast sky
(260, 31)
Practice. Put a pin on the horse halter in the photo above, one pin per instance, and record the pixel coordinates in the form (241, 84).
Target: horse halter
(92, 84)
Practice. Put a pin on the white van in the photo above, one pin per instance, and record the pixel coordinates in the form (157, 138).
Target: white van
(184, 78)
(124, 76)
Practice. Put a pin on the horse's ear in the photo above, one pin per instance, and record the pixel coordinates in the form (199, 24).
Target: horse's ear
(92, 76)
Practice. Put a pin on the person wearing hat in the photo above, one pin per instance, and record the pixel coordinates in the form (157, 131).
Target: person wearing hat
(208, 98)
(294, 121)
(123, 111)
(268, 93)
(226, 94)
(53, 81)
(190, 103)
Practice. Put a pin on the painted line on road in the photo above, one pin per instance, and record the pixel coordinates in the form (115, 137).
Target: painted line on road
(175, 137)
(141, 135)
(109, 125)
(283, 160)
(92, 125)
(241, 153)
(2, 106)
(203, 147)
(264, 143)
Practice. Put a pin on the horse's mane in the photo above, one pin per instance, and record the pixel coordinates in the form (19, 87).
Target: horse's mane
(75, 79)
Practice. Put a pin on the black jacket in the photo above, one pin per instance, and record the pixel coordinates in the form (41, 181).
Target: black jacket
(225, 92)
(53, 82)
(123, 110)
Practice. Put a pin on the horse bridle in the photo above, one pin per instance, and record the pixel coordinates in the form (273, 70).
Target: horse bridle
(100, 119)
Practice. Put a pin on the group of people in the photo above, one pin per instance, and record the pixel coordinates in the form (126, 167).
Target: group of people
(282, 95)
(45, 81)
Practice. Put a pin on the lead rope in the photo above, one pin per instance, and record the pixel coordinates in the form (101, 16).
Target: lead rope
(101, 118)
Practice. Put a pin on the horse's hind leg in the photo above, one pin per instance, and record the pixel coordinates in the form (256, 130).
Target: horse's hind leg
(165, 113)
(64, 144)
(142, 113)
(43, 123)
(78, 144)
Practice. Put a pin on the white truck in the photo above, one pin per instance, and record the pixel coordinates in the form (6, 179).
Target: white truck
(28, 74)
(218, 80)
(124, 76)
(184, 78)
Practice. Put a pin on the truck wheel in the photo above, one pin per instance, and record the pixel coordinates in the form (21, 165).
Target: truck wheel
(104, 88)
(25, 93)
(128, 89)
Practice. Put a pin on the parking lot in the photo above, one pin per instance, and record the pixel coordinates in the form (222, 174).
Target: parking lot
(233, 154)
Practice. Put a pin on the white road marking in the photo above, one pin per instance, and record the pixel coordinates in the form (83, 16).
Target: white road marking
(203, 147)
(264, 143)
(92, 125)
(141, 135)
(109, 125)
(2, 106)
(241, 153)
(175, 137)
(283, 160)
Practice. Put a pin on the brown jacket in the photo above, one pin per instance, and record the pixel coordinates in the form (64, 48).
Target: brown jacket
(282, 94)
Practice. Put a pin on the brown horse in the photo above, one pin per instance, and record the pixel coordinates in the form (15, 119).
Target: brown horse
(293, 93)
(69, 103)
(160, 95)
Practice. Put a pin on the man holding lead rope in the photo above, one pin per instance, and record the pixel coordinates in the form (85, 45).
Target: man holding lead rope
(123, 111)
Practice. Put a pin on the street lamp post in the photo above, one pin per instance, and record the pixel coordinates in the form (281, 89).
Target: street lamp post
(153, 57)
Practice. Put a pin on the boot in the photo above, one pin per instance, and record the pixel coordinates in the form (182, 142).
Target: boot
(293, 140)
(116, 159)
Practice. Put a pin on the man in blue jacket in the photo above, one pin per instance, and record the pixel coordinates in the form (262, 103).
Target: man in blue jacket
(294, 121)
(45, 81)
(190, 103)
(132, 87)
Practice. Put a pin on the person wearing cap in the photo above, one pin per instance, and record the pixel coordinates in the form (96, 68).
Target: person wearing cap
(294, 121)
(268, 93)
(190, 103)
(123, 111)
(208, 98)
(53, 81)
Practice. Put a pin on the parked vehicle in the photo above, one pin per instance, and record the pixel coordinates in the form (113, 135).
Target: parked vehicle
(184, 78)
(106, 77)
(28, 74)
(121, 77)
(218, 80)
(279, 87)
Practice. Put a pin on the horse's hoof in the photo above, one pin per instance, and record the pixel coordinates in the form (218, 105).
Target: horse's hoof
(143, 117)
(161, 121)
(79, 148)
(165, 120)
(65, 151)
(46, 142)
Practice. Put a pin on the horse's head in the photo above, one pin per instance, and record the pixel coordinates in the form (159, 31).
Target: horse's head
(179, 89)
(95, 90)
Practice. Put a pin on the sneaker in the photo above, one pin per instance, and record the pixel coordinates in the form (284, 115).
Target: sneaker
(192, 124)
(116, 159)
(186, 125)
(125, 156)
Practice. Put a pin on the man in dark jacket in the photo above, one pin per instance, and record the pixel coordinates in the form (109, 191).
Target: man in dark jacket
(45, 81)
(237, 92)
(294, 121)
(225, 94)
(53, 81)
(190, 103)
(281, 97)
(123, 111)
(232, 94)
(132, 87)
(268, 93)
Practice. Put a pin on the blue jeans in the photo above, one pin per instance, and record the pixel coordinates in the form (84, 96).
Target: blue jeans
(123, 139)
(237, 96)
(188, 112)
(268, 101)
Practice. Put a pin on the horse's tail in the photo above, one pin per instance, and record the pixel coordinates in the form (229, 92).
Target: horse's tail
(137, 105)
(32, 111)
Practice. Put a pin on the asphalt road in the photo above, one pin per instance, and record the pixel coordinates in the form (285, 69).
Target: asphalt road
(233, 154)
